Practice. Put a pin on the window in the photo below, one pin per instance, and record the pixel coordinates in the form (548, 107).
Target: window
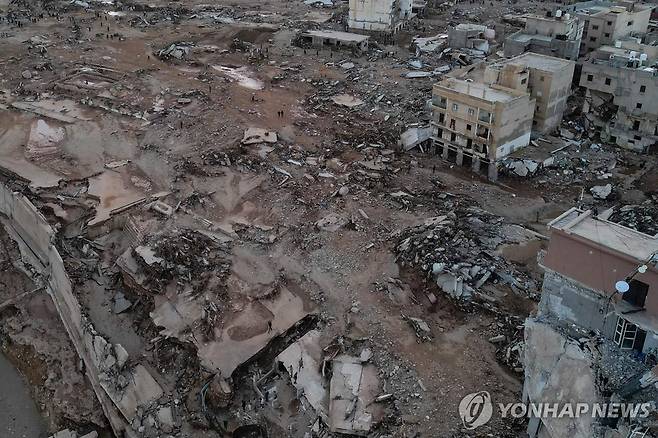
(592, 39)
(590, 78)
(471, 112)
(453, 137)
(636, 125)
(638, 105)
(468, 127)
(630, 23)
(455, 107)
(595, 27)
(609, 23)
(628, 336)
(452, 123)
(541, 78)
(442, 118)
(643, 88)
(607, 34)
(524, 80)
(607, 81)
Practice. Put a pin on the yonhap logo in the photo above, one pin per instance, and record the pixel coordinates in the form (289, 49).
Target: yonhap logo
(476, 409)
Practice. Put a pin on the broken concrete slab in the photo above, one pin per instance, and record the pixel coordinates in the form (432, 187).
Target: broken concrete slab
(601, 192)
(303, 361)
(258, 135)
(353, 389)
(347, 100)
(332, 222)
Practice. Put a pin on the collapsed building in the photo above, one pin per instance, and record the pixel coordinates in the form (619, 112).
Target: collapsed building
(599, 283)
(621, 84)
(379, 16)
(605, 22)
(474, 38)
(489, 111)
(555, 34)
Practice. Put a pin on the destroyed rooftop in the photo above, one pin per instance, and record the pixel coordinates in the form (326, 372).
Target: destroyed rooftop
(607, 234)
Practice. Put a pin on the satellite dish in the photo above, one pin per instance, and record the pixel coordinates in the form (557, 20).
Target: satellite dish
(642, 269)
(622, 286)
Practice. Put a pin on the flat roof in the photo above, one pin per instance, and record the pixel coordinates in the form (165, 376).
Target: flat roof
(337, 35)
(607, 234)
(538, 61)
(525, 37)
(478, 90)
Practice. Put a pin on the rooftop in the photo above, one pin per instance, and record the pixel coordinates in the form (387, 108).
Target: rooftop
(539, 62)
(640, 246)
(479, 90)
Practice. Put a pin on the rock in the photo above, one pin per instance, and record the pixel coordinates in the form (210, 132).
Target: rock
(365, 355)
(601, 192)
(343, 191)
(27, 74)
(331, 222)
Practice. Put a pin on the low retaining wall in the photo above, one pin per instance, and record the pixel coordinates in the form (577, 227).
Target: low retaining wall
(35, 234)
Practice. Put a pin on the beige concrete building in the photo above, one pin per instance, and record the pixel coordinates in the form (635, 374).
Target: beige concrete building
(557, 34)
(622, 93)
(476, 124)
(606, 22)
(546, 78)
(384, 16)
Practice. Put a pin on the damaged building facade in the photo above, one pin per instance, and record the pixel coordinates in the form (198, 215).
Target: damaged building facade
(556, 34)
(587, 256)
(622, 93)
(380, 16)
(595, 336)
(474, 38)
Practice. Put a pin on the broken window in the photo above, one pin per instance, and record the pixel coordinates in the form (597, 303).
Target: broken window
(439, 101)
(471, 112)
(524, 80)
(637, 294)
(455, 107)
(607, 81)
(485, 116)
(607, 35)
(592, 39)
(628, 336)
(643, 88)
(452, 123)
(468, 127)
(483, 132)
(636, 125)
(453, 136)
(638, 105)
(595, 27)
(590, 78)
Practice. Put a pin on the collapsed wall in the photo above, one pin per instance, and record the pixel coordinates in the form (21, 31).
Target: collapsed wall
(35, 238)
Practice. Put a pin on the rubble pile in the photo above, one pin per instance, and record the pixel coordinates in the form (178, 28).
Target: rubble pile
(643, 217)
(456, 250)
(188, 257)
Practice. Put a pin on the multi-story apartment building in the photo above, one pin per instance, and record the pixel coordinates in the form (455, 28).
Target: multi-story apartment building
(557, 34)
(622, 81)
(606, 22)
(548, 80)
(476, 124)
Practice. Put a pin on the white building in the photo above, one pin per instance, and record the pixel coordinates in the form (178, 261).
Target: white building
(386, 16)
